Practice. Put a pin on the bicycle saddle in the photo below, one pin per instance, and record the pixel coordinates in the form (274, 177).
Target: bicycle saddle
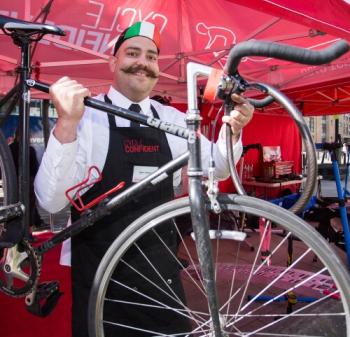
(15, 26)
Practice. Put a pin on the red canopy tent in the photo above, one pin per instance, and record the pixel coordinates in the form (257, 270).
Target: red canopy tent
(331, 16)
(199, 31)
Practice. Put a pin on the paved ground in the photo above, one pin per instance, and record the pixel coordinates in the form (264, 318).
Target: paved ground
(329, 189)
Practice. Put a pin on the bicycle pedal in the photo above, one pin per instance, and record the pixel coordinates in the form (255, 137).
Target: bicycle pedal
(45, 299)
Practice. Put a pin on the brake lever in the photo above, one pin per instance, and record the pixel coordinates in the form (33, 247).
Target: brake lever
(231, 84)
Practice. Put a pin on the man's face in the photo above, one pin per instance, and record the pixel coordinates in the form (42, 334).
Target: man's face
(135, 68)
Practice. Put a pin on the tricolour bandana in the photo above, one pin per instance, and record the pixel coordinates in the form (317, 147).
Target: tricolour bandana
(141, 28)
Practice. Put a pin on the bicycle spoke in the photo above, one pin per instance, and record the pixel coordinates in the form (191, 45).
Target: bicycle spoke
(131, 327)
(181, 264)
(161, 305)
(290, 315)
(275, 280)
(176, 299)
(251, 272)
(192, 263)
(264, 263)
(152, 305)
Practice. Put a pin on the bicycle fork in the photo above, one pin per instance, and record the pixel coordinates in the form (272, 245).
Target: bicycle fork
(201, 231)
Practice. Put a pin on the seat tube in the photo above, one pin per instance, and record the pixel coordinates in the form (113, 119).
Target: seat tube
(24, 112)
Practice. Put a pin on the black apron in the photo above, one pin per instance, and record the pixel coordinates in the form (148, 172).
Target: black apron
(128, 147)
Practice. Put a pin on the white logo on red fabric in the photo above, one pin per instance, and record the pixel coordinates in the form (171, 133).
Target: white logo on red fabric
(216, 37)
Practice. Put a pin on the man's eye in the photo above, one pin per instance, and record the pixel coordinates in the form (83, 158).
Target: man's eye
(132, 53)
(152, 57)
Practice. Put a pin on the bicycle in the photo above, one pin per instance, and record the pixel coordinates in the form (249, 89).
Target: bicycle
(217, 304)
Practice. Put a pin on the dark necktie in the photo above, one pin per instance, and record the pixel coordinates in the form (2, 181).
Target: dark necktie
(135, 108)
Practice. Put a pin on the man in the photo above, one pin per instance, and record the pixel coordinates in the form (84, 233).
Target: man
(82, 138)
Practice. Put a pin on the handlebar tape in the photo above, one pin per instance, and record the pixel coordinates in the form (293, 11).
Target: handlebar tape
(284, 52)
(260, 103)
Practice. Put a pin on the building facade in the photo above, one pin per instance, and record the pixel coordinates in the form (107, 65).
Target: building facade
(325, 128)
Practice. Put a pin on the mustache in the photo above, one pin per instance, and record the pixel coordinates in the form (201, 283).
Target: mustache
(135, 69)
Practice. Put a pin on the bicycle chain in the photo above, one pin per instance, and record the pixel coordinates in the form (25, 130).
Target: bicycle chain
(34, 261)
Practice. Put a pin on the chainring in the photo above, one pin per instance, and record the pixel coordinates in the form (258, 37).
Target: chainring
(20, 268)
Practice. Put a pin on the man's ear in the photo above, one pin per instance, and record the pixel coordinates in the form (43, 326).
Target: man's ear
(112, 63)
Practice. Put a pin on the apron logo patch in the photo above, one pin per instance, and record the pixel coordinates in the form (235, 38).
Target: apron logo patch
(137, 146)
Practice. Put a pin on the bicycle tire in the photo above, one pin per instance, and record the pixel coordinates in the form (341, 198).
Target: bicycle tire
(299, 321)
(8, 234)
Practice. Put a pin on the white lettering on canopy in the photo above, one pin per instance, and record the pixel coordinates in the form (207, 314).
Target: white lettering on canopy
(99, 12)
(101, 26)
(97, 15)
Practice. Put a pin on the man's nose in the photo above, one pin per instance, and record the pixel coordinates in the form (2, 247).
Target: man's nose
(142, 59)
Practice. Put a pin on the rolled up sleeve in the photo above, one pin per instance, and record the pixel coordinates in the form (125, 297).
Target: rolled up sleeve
(58, 171)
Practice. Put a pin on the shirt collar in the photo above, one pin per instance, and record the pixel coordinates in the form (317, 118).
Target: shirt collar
(120, 100)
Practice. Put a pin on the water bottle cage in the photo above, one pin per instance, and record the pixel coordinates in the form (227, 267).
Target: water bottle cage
(74, 193)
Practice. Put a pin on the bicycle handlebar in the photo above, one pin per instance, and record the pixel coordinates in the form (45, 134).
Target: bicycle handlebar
(235, 83)
(260, 103)
(284, 52)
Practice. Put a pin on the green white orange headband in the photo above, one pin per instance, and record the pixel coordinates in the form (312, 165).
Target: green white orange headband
(141, 28)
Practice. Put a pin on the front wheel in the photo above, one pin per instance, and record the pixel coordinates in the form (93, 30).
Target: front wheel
(280, 280)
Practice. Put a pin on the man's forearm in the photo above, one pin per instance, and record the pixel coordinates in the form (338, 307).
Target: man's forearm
(65, 131)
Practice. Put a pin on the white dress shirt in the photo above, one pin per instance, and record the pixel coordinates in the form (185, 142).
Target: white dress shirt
(65, 165)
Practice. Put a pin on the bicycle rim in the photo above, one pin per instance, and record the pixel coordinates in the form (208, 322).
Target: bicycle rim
(259, 295)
